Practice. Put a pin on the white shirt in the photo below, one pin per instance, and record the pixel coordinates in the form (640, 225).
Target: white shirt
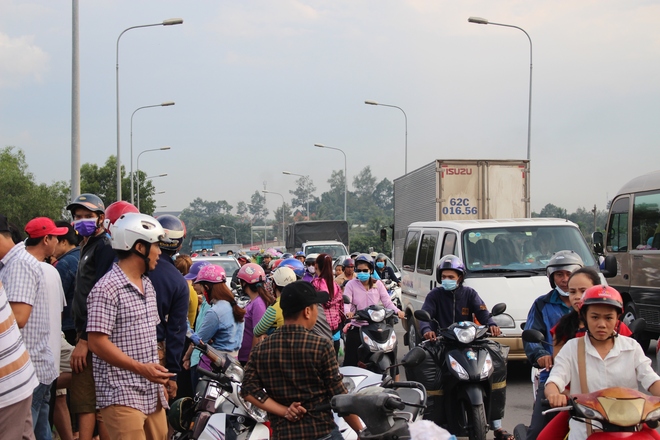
(624, 366)
(56, 303)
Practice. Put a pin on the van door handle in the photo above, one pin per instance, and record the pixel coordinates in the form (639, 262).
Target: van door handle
(625, 276)
(430, 285)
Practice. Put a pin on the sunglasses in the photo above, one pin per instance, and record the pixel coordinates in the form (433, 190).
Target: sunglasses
(362, 270)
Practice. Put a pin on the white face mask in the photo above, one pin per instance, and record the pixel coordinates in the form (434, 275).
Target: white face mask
(561, 292)
(311, 269)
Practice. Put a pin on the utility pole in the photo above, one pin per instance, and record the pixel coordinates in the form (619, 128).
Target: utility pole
(595, 212)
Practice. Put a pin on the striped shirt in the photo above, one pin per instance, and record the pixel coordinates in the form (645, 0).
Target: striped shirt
(117, 308)
(17, 376)
(23, 278)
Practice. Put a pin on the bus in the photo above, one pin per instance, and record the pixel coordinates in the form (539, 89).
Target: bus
(633, 238)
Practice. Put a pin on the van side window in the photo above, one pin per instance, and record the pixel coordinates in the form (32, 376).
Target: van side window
(646, 222)
(617, 233)
(410, 251)
(449, 245)
(426, 255)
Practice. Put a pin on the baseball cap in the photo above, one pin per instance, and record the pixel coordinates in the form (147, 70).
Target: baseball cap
(42, 226)
(284, 276)
(4, 224)
(194, 269)
(300, 294)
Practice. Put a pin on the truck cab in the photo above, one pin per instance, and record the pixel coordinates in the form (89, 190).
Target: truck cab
(332, 247)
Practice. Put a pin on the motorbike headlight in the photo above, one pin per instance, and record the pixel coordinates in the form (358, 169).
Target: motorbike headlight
(458, 368)
(348, 384)
(487, 368)
(258, 414)
(375, 346)
(234, 371)
(377, 315)
(623, 412)
(653, 415)
(589, 412)
(465, 335)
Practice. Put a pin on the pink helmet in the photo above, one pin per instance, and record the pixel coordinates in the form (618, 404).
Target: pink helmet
(252, 273)
(211, 273)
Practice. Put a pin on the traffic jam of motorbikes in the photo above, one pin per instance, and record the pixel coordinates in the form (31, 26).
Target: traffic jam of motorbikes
(300, 341)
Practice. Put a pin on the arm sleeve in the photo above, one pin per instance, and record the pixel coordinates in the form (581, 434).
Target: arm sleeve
(104, 259)
(429, 306)
(209, 326)
(560, 374)
(348, 291)
(480, 310)
(392, 274)
(535, 322)
(645, 374)
(251, 381)
(266, 322)
(385, 297)
(101, 310)
(21, 282)
(67, 275)
(176, 329)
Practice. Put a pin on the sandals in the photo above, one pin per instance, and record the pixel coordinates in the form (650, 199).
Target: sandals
(501, 434)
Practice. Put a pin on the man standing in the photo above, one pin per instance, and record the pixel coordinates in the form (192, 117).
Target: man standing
(294, 355)
(17, 375)
(172, 298)
(96, 257)
(121, 325)
(67, 254)
(543, 316)
(23, 278)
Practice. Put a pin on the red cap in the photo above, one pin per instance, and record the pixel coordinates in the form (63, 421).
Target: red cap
(42, 226)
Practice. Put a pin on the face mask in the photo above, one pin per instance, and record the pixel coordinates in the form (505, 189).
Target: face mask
(85, 227)
(363, 276)
(561, 292)
(449, 284)
(380, 265)
(311, 269)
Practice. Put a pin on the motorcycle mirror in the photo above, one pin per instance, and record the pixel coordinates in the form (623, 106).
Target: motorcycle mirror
(347, 300)
(637, 327)
(533, 336)
(422, 315)
(498, 309)
(414, 357)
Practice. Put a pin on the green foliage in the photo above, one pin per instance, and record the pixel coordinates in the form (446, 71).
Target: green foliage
(303, 193)
(584, 218)
(22, 198)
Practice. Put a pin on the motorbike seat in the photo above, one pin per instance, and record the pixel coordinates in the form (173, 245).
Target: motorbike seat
(411, 395)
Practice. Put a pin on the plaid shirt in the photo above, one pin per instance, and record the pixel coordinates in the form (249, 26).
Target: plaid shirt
(117, 308)
(23, 278)
(295, 365)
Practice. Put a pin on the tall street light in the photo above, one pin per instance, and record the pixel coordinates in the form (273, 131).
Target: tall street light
(168, 22)
(283, 204)
(406, 121)
(289, 173)
(345, 175)
(479, 20)
(231, 227)
(164, 104)
(137, 167)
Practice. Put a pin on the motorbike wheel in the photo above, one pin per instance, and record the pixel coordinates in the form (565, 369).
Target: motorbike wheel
(413, 338)
(520, 432)
(477, 424)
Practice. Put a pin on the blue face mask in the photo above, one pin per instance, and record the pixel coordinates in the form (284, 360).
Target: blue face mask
(380, 265)
(449, 284)
(362, 276)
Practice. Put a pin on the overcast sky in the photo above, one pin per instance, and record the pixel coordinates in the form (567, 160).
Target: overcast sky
(257, 83)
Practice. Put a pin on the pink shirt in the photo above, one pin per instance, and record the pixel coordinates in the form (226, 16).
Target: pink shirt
(361, 298)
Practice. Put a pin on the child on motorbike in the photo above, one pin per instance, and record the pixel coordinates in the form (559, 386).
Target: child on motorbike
(612, 360)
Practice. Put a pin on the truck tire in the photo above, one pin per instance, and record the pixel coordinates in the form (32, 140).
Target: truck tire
(477, 425)
(630, 313)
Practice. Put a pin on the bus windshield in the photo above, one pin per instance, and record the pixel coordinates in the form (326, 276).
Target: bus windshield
(521, 248)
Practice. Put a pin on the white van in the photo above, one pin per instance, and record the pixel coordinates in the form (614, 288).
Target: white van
(505, 261)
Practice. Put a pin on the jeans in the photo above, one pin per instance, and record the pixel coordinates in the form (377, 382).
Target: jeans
(40, 398)
(334, 435)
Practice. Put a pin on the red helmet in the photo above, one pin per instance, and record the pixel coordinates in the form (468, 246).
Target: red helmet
(602, 295)
(116, 210)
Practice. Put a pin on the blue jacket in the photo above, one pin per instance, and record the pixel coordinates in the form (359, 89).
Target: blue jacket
(450, 306)
(221, 329)
(543, 316)
(67, 266)
(172, 297)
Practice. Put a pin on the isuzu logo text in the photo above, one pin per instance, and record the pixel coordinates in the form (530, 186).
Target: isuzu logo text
(458, 171)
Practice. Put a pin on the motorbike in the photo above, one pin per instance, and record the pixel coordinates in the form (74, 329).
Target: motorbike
(469, 376)
(394, 290)
(379, 343)
(384, 406)
(218, 410)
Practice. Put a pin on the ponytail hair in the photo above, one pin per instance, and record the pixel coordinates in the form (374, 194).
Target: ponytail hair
(324, 262)
(260, 289)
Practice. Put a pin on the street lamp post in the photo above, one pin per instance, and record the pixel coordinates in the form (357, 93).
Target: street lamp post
(289, 173)
(168, 22)
(164, 104)
(345, 175)
(479, 20)
(283, 215)
(405, 116)
(231, 227)
(137, 167)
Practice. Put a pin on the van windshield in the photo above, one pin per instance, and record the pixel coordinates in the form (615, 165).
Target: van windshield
(520, 248)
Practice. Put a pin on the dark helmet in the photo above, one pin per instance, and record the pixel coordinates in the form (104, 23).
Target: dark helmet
(296, 265)
(87, 201)
(601, 295)
(365, 258)
(181, 413)
(175, 230)
(449, 262)
(285, 256)
(349, 262)
(381, 257)
(562, 260)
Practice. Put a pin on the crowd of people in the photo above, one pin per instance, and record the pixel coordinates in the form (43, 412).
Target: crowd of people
(94, 315)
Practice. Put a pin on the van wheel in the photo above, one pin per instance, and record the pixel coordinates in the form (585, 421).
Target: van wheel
(413, 338)
(630, 313)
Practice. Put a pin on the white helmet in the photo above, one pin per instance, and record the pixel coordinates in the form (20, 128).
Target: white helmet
(283, 276)
(131, 227)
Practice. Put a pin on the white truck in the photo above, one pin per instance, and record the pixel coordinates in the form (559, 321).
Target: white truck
(459, 190)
